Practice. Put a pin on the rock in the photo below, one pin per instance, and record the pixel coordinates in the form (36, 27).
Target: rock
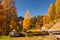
(14, 33)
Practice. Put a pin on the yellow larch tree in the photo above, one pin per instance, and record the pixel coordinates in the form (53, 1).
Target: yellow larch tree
(57, 5)
(26, 21)
(51, 12)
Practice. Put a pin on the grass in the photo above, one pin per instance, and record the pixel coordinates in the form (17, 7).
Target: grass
(6, 38)
(50, 37)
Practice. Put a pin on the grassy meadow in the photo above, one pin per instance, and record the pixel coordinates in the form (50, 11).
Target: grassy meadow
(49, 37)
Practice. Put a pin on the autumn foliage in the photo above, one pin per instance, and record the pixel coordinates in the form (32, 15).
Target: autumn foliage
(57, 5)
(45, 19)
(51, 12)
(37, 25)
(26, 21)
(8, 16)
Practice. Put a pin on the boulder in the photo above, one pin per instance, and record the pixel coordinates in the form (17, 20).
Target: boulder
(14, 33)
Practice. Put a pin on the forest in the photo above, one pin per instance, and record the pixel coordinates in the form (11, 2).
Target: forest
(9, 19)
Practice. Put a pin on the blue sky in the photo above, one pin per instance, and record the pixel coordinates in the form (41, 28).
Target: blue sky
(36, 7)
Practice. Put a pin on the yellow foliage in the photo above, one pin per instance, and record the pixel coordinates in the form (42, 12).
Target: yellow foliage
(26, 21)
(57, 5)
(8, 19)
(50, 10)
(45, 19)
(37, 25)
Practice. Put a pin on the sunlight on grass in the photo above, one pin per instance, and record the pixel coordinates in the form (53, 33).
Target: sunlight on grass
(6, 38)
(50, 37)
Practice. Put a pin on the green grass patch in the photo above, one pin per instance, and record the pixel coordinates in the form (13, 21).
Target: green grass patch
(49, 37)
(6, 38)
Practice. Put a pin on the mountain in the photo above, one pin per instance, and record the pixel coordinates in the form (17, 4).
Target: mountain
(20, 18)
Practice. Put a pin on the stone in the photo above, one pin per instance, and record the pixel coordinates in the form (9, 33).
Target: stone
(14, 33)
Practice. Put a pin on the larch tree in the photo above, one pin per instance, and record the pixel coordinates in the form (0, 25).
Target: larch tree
(26, 21)
(57, 5)
(51, 12)
(8, 16)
